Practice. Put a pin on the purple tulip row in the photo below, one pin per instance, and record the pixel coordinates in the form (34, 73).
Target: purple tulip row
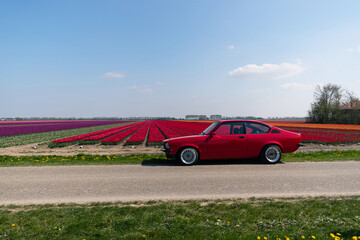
(47, 126)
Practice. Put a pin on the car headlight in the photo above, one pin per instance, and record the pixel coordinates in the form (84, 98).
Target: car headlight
(166, 145)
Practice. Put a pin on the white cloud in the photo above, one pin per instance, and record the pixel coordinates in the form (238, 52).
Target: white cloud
(159, 83)
(350, 49)
(231, 47)
(294, 85)
(141, 89)
(113, 75)
(267, 71)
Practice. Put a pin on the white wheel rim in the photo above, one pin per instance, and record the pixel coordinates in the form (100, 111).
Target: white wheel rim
(188, 155)
(272, 154)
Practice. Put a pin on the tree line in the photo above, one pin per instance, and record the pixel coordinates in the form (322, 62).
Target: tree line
(333, 104)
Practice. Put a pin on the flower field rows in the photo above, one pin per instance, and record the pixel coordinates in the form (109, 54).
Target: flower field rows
(154, 132)
(148, 132)
(10, 128)
(326, 135)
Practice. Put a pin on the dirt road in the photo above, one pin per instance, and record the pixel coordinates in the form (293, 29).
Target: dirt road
(25, 185)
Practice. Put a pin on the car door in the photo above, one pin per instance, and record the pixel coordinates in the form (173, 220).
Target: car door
(257, 136)
(228, 141)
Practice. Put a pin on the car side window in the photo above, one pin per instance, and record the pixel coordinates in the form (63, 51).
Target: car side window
(256, 128)
(223, 129)
(238, 128)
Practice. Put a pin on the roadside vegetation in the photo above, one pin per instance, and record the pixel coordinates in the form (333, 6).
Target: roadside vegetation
(288, 218)
(147, 159)
(23, 139)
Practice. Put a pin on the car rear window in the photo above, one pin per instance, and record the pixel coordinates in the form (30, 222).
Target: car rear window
(256, 128)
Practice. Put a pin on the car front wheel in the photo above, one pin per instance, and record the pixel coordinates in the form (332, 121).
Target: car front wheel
(188, 156)
(271, 154)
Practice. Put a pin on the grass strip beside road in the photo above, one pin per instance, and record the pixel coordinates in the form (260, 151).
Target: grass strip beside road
(288, 218)
(23, 139)
(145, 159)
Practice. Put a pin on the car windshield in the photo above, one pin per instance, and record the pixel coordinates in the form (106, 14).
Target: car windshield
(210, 128)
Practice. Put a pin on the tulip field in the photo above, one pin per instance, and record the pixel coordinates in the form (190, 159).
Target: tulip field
(322, 133)
(10, 128)
(152, 133)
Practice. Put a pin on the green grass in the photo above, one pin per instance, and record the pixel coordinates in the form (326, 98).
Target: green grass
(15, 140)
(146, 159)
(80, 159)
(322, 156)
(206, 219)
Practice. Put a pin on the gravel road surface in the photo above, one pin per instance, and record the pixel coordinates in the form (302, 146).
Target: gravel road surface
(82, 184)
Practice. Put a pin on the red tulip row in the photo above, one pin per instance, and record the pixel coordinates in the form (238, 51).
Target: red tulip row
(191, 127)
(87, 135)
(158, 131)
(101, 136)
(326, 135)
(115, 139)
(139, 137)
(155, 135)
(175, 129)
(167, 131)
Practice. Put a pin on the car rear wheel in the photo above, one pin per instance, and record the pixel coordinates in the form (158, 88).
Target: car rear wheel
(271, 154)
(188, 156)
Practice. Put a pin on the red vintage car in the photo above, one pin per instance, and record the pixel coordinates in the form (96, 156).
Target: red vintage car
(233, 139)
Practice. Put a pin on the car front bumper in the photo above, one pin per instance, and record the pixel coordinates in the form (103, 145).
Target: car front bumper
(168, 155)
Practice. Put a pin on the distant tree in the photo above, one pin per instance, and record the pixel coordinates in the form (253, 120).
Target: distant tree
(333, 104)
(351, 101)
(327, 102)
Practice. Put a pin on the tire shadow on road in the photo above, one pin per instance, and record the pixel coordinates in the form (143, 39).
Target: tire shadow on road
(169, 162)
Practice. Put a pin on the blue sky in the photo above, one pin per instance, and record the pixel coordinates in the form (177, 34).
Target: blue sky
(172, 58)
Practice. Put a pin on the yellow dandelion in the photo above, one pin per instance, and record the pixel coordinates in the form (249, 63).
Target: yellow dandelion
(337, 238)
(338, 234)
(258, 237)
(303, 237)
(287, 238)
(13, 225)
(278, 238)
(265, 238)
(354, 237)
(332, 235)
(227, 222)
(313, 237)
(143, 235)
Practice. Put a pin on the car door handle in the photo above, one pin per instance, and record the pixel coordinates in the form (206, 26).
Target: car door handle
(241, 137)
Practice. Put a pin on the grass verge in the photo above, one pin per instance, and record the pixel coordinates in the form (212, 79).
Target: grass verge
(146, 159)
(300, 218)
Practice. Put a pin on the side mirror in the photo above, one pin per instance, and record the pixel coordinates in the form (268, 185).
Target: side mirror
(212, 134)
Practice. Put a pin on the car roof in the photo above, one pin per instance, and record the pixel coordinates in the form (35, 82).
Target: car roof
(243, 120)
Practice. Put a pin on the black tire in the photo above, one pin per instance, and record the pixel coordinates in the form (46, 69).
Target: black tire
(271, 154)
(188, 156)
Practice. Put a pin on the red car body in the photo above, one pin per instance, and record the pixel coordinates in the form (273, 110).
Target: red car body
(234, 139)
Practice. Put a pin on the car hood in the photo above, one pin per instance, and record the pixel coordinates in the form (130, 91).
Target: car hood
(192, 137)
